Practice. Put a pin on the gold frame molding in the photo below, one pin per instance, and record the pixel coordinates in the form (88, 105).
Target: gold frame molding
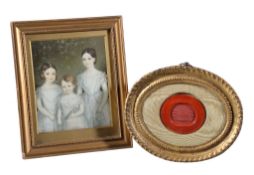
(23, 33)
(184, 74)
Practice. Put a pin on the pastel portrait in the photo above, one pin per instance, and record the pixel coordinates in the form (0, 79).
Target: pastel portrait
(71, 85)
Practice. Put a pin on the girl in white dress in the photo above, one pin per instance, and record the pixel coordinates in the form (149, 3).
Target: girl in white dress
(47, 96)
(70, 113)
(92, 85)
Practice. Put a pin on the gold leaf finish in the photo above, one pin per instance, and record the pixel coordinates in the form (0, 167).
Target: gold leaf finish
(142, 114)
(91, 139)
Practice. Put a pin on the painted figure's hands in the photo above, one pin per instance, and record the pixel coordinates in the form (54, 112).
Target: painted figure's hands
(76, 109)
(74, 113)
(99, 113)
(51, 117)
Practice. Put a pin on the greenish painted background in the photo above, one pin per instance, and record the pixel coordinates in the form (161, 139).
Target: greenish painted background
(65, 54)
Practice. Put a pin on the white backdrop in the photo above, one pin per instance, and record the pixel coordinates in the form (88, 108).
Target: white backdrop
(216, 35)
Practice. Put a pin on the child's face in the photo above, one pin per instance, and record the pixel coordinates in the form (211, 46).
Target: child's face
(87, 60)
(68, 87)
(50, 75)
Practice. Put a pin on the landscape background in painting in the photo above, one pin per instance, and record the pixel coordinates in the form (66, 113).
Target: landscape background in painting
(65, 54)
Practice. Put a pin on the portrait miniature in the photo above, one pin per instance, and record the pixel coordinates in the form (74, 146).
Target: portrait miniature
(72, 86)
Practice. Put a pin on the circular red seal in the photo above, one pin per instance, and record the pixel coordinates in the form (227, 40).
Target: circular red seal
(182, 113)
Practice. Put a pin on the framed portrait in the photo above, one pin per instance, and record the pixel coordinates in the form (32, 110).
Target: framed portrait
(71, 85)
(183, 113)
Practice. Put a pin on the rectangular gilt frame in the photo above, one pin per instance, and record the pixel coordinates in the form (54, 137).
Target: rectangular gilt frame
(70, 142)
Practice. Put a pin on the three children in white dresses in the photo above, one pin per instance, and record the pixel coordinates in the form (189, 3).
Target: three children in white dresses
(60, 108)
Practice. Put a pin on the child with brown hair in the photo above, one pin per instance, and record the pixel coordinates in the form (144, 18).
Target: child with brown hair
(71, 106)
(92, 86)
(47, 97)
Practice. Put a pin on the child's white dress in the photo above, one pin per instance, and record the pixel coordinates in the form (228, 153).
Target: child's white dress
(68, 104)
(49, 97)
(91, 87)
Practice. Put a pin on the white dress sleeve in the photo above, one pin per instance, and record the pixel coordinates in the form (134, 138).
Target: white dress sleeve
(38, 93)
(79, 84)
(103, 82)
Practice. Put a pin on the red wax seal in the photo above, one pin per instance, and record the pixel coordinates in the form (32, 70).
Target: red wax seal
(182, 113)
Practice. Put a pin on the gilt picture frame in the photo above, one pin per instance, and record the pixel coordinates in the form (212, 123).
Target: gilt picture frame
(71, 85)
(183, 113)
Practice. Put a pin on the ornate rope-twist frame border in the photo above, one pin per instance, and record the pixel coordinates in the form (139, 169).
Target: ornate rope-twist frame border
(154, 147)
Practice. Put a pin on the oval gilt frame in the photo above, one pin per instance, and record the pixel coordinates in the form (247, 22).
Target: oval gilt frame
(153, 137)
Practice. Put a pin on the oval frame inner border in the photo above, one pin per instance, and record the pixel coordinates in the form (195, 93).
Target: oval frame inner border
(183, 74)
